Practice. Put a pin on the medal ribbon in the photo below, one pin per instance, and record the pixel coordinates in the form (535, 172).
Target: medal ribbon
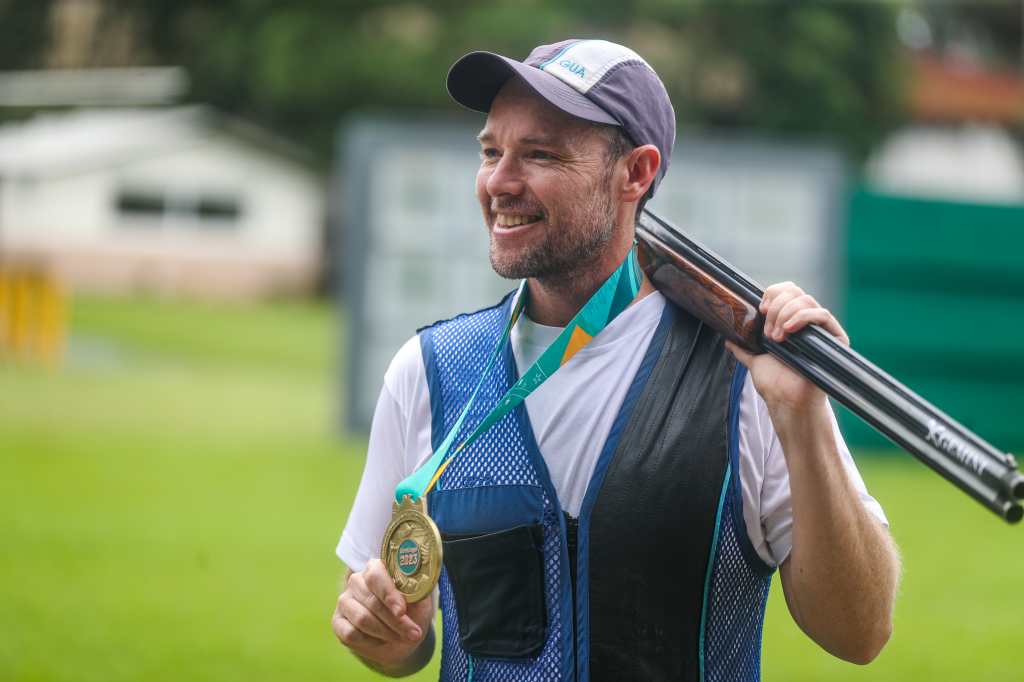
(608, 301)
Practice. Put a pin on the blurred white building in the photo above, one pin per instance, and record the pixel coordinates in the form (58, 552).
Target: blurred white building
(178, 200)
(969, 162)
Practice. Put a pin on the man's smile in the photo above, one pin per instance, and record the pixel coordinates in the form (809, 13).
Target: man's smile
(506, 223)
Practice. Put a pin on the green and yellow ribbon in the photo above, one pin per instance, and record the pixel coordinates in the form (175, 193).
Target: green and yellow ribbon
(614, 296)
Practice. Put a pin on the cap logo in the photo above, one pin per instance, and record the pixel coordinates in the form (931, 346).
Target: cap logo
(584, 63)
(573, 68)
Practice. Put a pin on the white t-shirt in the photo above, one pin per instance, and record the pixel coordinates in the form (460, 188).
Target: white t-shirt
(571, 433)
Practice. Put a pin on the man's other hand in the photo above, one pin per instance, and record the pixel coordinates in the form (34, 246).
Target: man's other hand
(373, 619)
(787, 309)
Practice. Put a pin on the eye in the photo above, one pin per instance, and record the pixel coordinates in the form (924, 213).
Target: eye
(489, 153)
(541, 155)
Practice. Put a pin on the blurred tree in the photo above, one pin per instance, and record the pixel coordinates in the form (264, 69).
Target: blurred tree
(991, 33)
(24, 27)
(23, 35)
(790, 67)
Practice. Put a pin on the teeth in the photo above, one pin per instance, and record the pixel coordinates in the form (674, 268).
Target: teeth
(503, 220)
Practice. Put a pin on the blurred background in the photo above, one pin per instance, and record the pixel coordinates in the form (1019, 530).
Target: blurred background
(218, 221)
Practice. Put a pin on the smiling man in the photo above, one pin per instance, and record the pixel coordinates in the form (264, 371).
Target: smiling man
(623, 521)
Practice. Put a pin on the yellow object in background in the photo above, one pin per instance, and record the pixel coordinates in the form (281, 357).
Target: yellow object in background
(33, 315)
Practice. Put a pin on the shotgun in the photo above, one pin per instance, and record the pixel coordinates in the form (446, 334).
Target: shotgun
(697, 280)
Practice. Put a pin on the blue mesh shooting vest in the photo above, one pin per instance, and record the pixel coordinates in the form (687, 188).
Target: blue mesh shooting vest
(667, 584)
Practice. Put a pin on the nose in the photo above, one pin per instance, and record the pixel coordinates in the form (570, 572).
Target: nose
(505, 178)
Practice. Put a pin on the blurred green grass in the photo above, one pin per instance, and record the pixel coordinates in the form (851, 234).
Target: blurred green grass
(171, 500)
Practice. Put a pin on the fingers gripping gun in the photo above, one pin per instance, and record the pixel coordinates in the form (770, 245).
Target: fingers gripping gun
(700, 282)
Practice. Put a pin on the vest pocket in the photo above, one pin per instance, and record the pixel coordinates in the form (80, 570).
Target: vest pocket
(498, 581)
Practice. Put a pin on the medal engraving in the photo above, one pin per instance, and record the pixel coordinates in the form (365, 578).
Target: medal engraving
(411, 549)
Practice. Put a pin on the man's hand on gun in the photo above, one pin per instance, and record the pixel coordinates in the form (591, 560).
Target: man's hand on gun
(787, 309)
(373, 619)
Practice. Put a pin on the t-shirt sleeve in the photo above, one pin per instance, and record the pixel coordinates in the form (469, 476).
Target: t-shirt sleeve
(370, 511)
(399, 434)
(764, 478)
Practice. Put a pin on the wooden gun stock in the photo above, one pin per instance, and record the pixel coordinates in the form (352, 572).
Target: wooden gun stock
(692, 288)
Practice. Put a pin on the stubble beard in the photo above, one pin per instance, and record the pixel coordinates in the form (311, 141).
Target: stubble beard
(566, 250)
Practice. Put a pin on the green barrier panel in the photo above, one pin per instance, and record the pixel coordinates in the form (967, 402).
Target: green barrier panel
(935, 296)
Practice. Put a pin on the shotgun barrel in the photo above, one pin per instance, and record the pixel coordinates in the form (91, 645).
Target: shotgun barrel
(696, 279)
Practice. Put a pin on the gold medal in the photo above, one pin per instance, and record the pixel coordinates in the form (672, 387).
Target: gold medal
(411, 549)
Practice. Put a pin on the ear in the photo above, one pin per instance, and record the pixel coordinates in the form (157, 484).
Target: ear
(641, 168)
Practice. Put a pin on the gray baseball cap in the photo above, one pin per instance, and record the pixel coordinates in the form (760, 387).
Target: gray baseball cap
(595, 80)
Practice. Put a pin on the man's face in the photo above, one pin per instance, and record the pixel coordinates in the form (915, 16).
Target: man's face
(544, 185)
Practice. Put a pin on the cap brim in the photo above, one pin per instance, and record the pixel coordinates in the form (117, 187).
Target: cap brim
(474, 82)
